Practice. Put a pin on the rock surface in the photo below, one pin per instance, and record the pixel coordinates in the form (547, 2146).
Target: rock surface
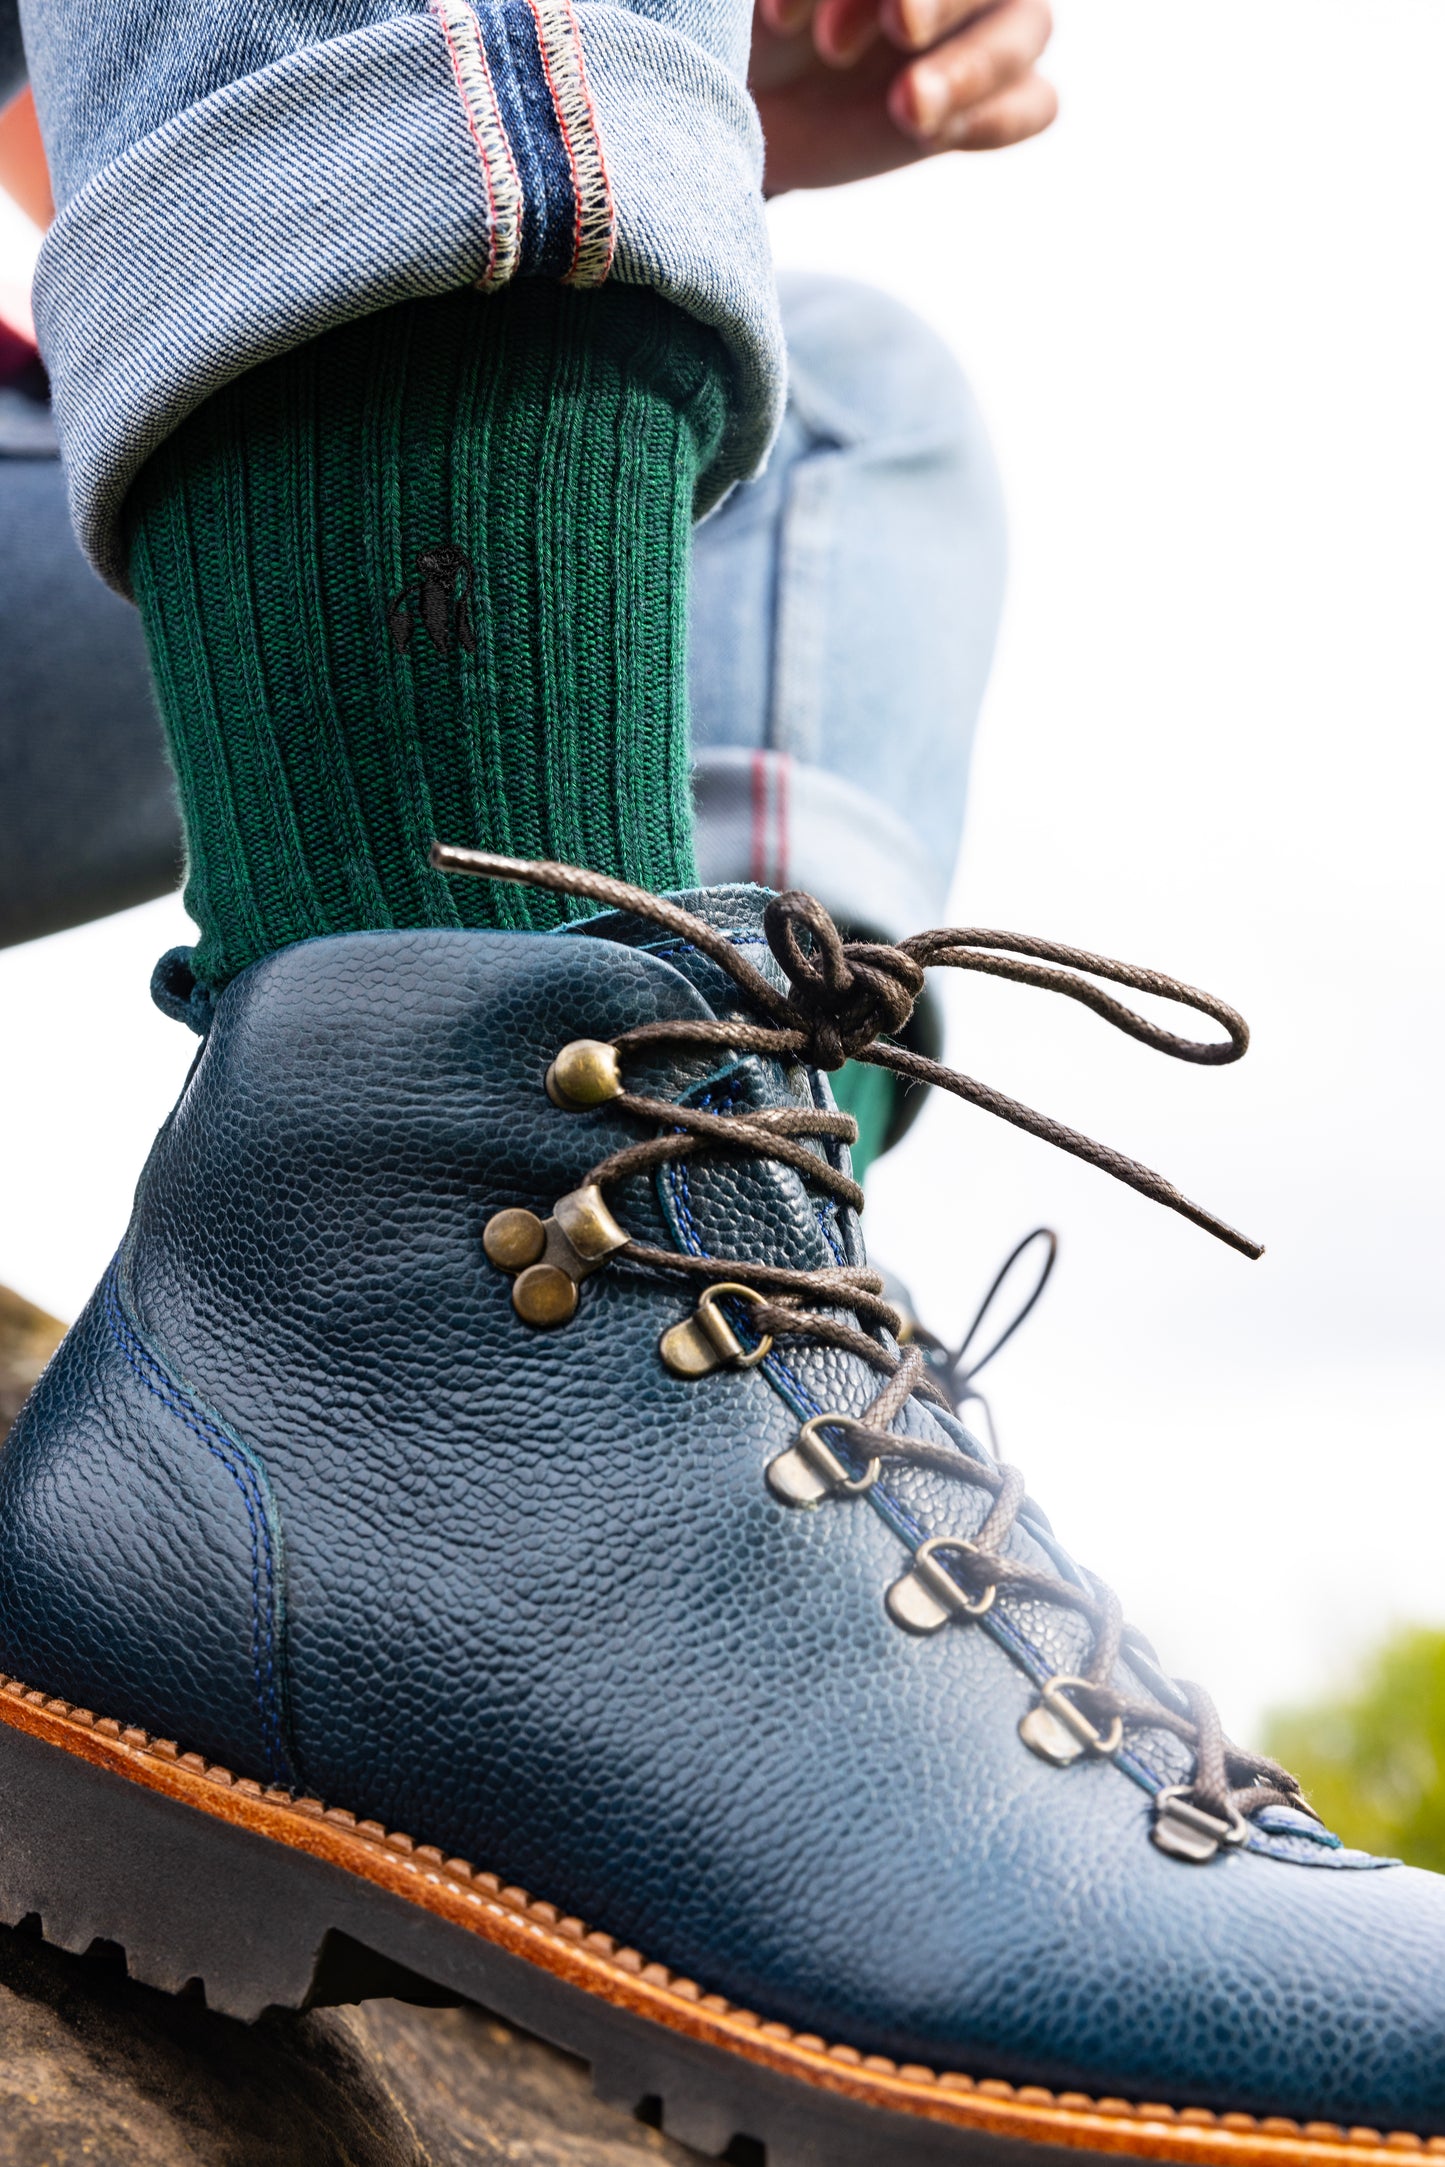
(28, 1338)
(96, 2071)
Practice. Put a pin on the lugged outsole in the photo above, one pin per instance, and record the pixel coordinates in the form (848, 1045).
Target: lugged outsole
(107, 1834)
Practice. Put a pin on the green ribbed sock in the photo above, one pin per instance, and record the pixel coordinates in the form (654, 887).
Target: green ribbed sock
(426, 577)
(870, 1095)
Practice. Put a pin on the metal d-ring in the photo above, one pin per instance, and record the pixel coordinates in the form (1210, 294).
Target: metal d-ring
(1060, 1732)
(1186, 1831)
(718, 1329)
(705, 1341)
(811, 1470)
(927, 1596)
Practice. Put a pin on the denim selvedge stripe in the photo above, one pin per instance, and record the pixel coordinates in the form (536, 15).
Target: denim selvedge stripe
(238, 180)
(501, 173)
(767, 818)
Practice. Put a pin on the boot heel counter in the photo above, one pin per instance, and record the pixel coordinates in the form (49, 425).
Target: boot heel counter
(140, 1552)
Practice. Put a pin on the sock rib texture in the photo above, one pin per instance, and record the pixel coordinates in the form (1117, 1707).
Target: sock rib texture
(426, 578)
(870, 1095)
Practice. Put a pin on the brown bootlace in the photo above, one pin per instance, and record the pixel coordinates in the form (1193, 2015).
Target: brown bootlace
(1227, 1780)
(846, 1000)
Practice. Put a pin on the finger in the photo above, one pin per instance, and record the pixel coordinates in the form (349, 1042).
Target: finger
(811, 144)
(23, 171)
(843, 30)
(1006, 27)
(785, 17)
(1015, 115)
(1023, 110)
(973, 67)
(916, 24)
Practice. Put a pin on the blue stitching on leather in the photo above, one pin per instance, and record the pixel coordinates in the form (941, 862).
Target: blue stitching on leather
(824, 1215)
(690, 948)
(178, 1402)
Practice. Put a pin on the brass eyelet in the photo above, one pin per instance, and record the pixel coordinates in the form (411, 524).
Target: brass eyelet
(586, 1073)
(811, 1470)
(551, 1257)
(514, 1239)
(927, 1596)
(544, 1296)
(705, 1341)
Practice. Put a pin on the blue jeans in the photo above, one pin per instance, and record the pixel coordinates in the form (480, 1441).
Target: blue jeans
(844, 612)
(235, 179)
(843, 617)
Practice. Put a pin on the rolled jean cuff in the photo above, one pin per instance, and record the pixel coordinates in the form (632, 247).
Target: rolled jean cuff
(776, 822)
(783, 823)
(433, 150)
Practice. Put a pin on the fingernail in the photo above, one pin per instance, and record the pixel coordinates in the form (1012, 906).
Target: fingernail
(843, 52)
(919, 22)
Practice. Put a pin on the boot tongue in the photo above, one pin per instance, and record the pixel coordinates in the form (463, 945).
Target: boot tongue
(725, 1205)
(736, 910)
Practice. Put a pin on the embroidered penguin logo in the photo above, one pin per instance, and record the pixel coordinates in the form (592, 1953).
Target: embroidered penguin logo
(439, 599)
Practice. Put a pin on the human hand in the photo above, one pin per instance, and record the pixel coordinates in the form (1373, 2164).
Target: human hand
(847, 88)
(23, 171)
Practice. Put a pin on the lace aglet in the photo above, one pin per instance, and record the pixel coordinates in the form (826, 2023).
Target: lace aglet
(1221, 1230)
(482, 864)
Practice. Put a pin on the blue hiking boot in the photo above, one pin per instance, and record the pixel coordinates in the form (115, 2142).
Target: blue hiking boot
(483, 1539)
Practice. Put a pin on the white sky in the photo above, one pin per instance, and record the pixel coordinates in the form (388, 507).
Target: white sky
(1204, 318)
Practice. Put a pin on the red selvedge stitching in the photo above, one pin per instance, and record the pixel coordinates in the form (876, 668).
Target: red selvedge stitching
(496, 230)
(475, 134)
(609, 208)
(758, 853)
(780, 819)
(566, 134)
(585, 210)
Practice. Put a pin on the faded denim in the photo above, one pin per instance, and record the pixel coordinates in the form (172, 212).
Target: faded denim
(236, 180)
(844, 613)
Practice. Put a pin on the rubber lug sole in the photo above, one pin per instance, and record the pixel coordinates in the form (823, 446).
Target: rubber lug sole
(259, 1900)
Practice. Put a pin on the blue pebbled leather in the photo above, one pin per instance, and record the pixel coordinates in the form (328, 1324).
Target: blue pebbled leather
(118, 1487)
(533, 1601)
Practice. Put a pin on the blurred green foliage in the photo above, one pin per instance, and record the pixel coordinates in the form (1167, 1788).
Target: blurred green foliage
(1373, 1761)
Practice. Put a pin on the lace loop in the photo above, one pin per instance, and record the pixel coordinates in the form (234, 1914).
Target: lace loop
(845, 994)
(1029, 961)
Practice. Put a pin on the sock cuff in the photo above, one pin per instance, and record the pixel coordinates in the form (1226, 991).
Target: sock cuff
(427, 577)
